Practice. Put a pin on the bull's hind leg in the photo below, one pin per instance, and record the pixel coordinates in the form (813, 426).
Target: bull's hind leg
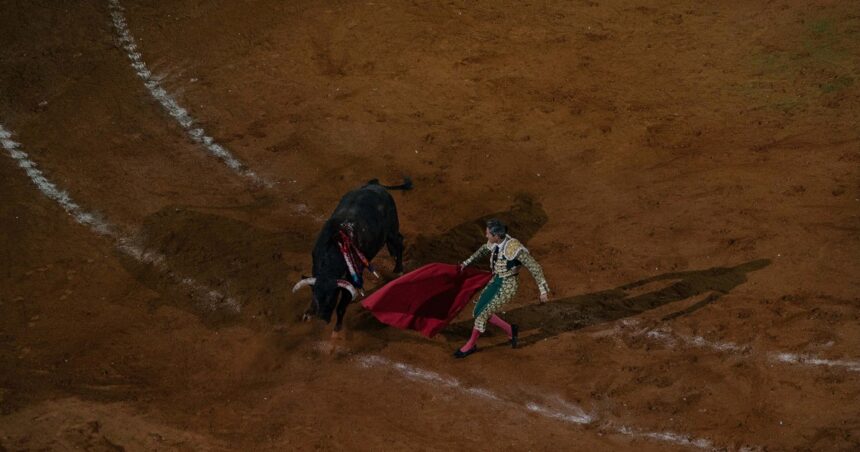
(395, 249)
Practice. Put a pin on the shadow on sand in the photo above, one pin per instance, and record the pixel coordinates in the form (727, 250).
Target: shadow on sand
(225, 258)
(525, 217)
(572, 313)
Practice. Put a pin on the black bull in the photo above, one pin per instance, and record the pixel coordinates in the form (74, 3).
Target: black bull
(371, 212)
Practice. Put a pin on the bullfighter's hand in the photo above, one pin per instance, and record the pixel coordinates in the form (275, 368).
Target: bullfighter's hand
(544, 297)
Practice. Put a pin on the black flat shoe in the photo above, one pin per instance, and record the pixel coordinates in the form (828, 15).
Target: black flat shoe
(459, 354)
(515, 334)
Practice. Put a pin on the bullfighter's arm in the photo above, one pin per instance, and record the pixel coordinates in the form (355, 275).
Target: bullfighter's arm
(534, 268)
(482, 251)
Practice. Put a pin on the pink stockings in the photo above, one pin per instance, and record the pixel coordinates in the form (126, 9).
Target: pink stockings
(472, 341)
(495, 320)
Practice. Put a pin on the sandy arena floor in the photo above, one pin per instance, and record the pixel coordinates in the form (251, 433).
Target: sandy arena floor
(688, 175)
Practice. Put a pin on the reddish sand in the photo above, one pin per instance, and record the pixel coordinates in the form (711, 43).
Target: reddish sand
(688, 175)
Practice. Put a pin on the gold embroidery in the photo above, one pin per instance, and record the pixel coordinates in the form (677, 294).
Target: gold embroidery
(506, 293)
(512, 249)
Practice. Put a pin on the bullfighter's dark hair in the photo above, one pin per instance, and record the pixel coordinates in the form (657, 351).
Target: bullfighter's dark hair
(496, 227)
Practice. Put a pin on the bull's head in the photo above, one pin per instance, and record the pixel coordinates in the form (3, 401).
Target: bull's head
(325, 293)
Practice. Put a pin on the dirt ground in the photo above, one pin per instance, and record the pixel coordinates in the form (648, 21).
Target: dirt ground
(687, 174)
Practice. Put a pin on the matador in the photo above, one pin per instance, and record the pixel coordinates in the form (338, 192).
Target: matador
(507, 256)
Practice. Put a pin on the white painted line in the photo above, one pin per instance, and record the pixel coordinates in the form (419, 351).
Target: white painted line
(665, 335)
(671, 340)
(152, 83)
(579, 418)
(669, 437)
(213, 299)
(561, 410)
(811, 360)
(47, 187)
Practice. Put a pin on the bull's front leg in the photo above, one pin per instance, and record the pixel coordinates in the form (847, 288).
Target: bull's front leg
(310, 312)
(342, 304)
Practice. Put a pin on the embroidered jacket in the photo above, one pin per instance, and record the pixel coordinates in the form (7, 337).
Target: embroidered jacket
(507, 257)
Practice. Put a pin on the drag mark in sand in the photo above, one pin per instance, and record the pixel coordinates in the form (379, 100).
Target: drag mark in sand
(556, 408)
(197, 134)
(212, 298)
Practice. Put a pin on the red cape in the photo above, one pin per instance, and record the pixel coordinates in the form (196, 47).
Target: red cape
(427, 299)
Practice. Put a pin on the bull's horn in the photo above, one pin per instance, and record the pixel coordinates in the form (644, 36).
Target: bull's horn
(349, 287)
(303, 283)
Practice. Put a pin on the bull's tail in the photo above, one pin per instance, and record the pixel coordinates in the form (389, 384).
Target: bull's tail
(406, 185)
